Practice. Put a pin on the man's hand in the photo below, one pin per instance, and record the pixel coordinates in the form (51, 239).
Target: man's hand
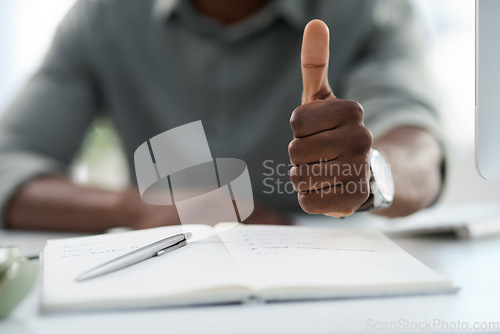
(331, 145)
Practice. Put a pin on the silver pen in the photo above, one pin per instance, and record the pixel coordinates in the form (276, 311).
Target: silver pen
(139, 255)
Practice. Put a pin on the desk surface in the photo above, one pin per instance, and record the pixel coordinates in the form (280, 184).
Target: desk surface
(473, 265)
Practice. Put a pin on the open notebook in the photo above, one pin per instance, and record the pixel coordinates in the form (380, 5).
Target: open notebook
(233, 263)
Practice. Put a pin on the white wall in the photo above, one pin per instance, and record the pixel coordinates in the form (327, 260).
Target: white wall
(451, 25)
(27, 29)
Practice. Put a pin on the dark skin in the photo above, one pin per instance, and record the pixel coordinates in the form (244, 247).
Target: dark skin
(331, 146)
(55, 203)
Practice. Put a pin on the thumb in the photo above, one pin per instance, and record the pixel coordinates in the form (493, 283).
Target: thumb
(314, 62)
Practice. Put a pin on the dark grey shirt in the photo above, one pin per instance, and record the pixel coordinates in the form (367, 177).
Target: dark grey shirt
(153, 65)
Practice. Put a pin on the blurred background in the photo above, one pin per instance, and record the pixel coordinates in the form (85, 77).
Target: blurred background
(449, 25)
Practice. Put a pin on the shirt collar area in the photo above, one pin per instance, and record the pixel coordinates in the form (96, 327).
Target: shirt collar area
(163, 9)
(294, 12)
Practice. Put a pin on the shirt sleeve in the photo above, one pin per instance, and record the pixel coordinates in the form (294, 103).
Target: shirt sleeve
(389, 77)
(44, 126)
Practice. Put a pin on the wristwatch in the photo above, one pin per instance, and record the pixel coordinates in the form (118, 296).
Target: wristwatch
(381, 183)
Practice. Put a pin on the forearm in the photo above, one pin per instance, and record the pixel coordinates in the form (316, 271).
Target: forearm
(415, 158)
(52, 203)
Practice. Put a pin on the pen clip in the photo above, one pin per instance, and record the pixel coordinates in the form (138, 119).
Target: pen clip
(172, 247)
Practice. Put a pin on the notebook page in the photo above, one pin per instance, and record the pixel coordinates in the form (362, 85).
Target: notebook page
(299, 260)
(198, 272)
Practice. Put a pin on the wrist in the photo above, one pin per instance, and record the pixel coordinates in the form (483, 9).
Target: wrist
(381, 184)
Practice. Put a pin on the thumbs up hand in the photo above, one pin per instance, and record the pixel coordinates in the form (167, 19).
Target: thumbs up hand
(331, 145)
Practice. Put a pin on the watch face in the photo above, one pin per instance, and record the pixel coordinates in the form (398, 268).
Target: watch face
(382, 174)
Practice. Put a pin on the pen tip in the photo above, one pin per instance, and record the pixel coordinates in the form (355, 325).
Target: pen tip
(188, 235)
(80, 278)
(83, 277)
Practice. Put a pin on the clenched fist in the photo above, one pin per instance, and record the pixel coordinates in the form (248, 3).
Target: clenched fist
(331, 145)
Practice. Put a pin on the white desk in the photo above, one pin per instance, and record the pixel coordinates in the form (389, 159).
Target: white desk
(474, 265)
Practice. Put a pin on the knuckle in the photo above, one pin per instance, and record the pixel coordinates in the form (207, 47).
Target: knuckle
(341, 213)
(307, 204)
(361, 195)
(297, 120)
(363, 139)
(364, 193)
(294, 151)
(348, 212)
(345, 210)
(366, 134)
(356, 109)
(368, 137)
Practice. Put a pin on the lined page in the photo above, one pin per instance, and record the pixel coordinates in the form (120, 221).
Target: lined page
(202, 271)
(297, 261)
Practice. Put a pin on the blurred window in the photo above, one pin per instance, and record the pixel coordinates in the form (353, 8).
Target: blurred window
(27, 29)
